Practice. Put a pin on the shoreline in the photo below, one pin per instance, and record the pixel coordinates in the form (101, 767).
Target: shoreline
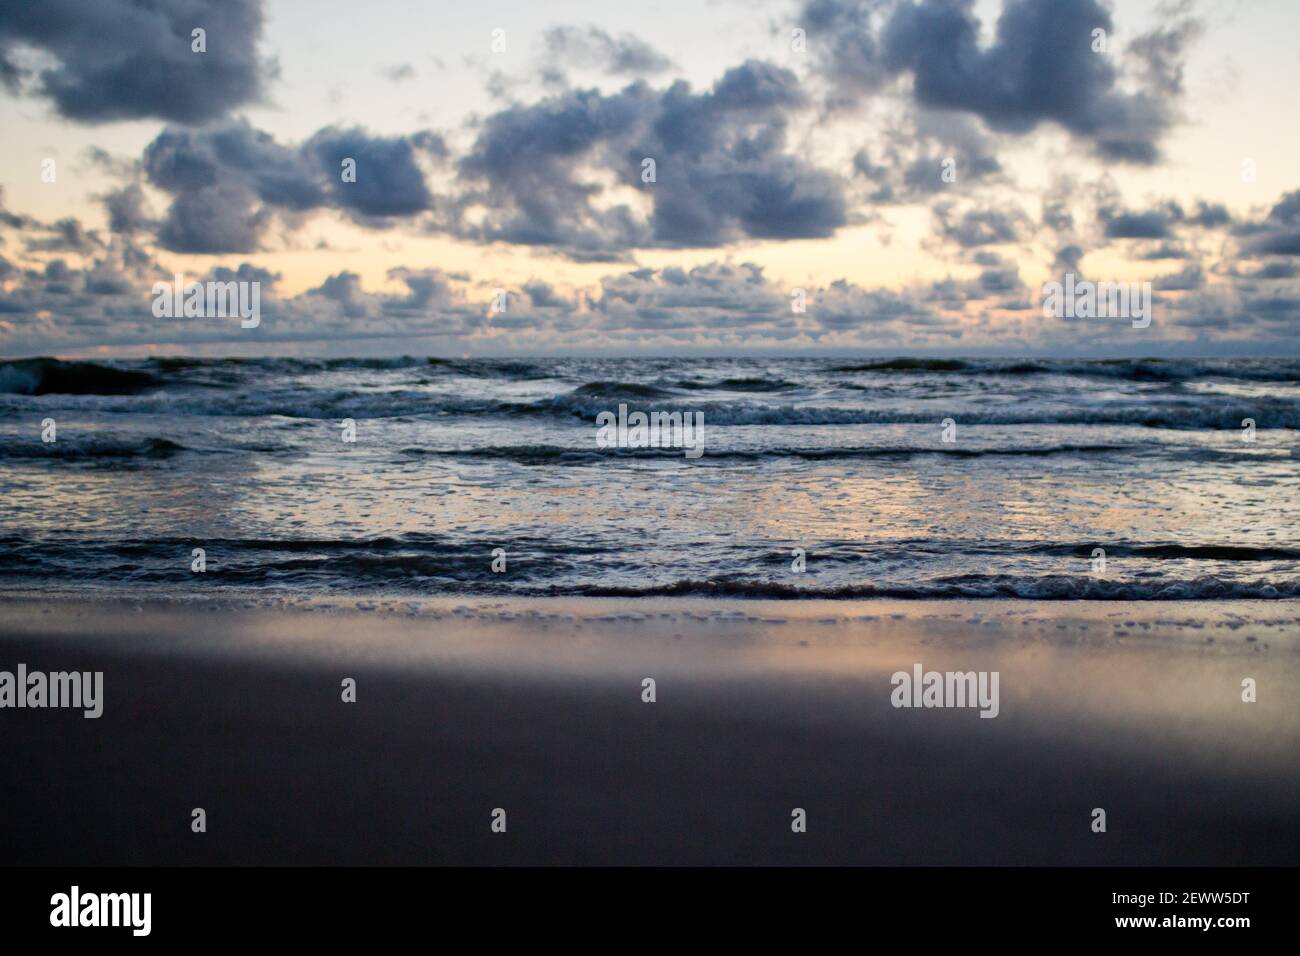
(535, 706)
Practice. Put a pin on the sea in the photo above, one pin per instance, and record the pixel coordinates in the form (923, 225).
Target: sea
(1131, 479)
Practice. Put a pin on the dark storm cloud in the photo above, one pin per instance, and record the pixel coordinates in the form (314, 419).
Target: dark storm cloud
(245, 272)
(928, 153)
(715, 295)
(1210, 215)
(1280, 269)
(10, 75)
(1160, 222)
(1282, 243)
(1149, 224)
(9, 219)
(389, 180)
(722, 171)
(58, 302)
(1056, 215)
(1283, 309)
(345, 289)
(229, 181)
(126, 59)
(1000, 280)
(428, 290)
(1068, 259)
(1040, 66)
(182, 161)
(430, 305)
(979, 227)
(210, 219)
(127, 210)
(729, 304)
(1278, 234)
(66, 235)
(1165, 250)
(542, 295)
(843, 306)
(521, 170)
(104, 280)
(846, 29)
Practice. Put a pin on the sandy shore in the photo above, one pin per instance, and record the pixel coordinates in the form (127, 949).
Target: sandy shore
(535, 706)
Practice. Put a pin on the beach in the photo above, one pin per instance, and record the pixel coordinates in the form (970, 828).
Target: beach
(536, 707)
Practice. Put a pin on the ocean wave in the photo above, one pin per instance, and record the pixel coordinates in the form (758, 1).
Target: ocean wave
(49, 376)
(740, 384)
(584, 404)
(490, 368)
(972, 586)
(324, 388)
(613, 391)
(1137, 370)
(908, 365)
(602, 567)
(1191, 413)
(92, 449)
(558, 454)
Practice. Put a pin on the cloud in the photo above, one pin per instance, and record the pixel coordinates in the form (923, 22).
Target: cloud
(1165, 250)
(1000, 280)
(127, 210)
(1190, 277)
(521, 175)
(847, 30)
(66, 235)
(389, 180)
(721, 304)
(398, 72)
(1160, 222)
(1210, 215)
(1278, 234)
(428, 291)
(9, 219)
(1157, 223)
(538, 174)
(229, 182)
(214, 219)
(1068, 259)
(1278, 269)
(1040, 66)
(592, 47)
(345, 289)
(980, 227)
(714, 306)
(56, 303)
(928, 153)
(122, 59)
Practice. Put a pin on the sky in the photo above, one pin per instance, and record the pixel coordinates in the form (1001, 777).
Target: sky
(829, 176)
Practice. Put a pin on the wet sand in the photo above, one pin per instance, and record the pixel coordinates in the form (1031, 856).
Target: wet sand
(535, 706)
